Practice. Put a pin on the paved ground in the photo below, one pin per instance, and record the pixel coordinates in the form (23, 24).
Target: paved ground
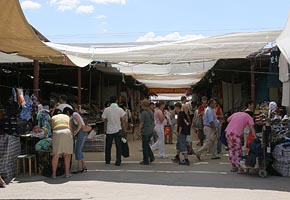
(208, 179)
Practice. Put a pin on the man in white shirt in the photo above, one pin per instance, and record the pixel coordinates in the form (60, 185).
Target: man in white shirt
(115, 118)
(63, 104)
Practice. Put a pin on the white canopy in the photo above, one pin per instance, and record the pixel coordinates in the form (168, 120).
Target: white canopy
(172, 64)
(283, 41)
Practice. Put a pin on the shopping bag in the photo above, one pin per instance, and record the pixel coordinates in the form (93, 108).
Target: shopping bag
(189, 148)
(125, 148)
(167, 130)
(249, 140)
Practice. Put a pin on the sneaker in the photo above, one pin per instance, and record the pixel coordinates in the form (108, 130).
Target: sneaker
(175, 159)
(163, 157)
(215, 158)
(152, 159)
(184, 162)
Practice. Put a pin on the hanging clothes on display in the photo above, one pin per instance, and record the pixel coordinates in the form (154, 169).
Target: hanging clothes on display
(43, 118)
(20, 97)
(26, 110)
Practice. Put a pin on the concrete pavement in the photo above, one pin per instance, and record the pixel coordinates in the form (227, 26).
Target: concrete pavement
(208, 179)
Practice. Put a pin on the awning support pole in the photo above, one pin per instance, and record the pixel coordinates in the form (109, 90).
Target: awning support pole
(36, 78)
(79, 86)
(253, 82)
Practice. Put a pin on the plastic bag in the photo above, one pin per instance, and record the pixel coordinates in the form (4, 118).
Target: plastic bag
(249, 139)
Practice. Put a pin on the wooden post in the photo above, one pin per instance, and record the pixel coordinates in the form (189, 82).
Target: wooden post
(90, 88)
(253, 82)
(79, 86)
(36, 78)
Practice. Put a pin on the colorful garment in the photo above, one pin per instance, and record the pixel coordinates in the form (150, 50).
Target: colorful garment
(235, 148)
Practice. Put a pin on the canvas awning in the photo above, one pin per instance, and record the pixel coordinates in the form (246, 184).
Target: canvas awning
(179, 64)
(18, 38)
(283, 41)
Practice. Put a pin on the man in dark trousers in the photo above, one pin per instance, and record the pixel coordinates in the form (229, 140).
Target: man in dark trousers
(115, 120)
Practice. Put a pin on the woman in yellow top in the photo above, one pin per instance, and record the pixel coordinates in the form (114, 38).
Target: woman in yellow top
(62, 142)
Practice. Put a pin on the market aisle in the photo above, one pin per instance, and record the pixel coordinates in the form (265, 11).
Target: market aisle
(161, 180)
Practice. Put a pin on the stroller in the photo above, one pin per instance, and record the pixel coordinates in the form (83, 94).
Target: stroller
(259, 156)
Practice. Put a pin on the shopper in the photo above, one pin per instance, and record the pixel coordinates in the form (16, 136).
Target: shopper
(160, 121)
(220, 116)
(173, 121)
(62, 103)
(146, 127)
(183, 130)
(237, 122)
(62, 142)
(201, 109)
(250, 106)
(115, 120)
(210, 123)
(77, 125)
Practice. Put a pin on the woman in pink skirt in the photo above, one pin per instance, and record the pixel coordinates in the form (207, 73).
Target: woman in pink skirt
(234, 131)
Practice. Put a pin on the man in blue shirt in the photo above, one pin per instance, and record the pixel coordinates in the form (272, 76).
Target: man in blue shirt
(210, 123)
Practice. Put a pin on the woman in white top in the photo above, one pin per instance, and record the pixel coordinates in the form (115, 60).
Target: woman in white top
(160, 121)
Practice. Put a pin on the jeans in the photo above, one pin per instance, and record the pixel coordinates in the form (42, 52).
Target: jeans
(147, 152)
(109, 140)
(219, 143)
(81, 138)
(181, 143)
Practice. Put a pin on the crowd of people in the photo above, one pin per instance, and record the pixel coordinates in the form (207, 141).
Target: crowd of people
(205, 120)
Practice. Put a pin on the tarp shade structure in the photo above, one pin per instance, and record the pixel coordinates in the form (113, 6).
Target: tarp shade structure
(172, 64)
(167, 76)
(17, 36)
(283, 41)
(237, 45)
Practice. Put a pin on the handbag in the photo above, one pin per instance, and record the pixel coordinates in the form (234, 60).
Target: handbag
(86, 128)
(125, 148)
(250, 138)
(167, 130)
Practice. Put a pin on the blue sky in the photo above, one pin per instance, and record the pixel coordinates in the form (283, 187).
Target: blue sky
(149, 20)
